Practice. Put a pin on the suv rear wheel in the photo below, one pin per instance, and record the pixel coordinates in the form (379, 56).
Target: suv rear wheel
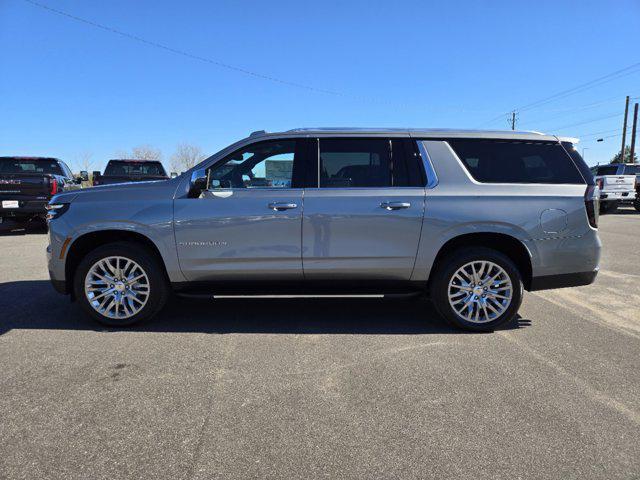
(477, 289)
(120, 283)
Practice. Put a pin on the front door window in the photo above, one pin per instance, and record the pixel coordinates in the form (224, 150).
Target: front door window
(260, 165)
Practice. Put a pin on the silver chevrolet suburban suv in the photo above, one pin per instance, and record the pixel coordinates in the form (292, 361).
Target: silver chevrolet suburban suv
(471, 218)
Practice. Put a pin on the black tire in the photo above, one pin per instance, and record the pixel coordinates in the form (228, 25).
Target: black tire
(636, 204)
(159, 289)
(608, 207)
(445, 271)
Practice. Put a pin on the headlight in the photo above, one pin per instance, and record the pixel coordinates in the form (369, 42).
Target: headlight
(55, 210)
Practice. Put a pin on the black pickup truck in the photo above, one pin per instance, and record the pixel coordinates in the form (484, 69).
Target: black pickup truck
(125, 170)
(28, 183)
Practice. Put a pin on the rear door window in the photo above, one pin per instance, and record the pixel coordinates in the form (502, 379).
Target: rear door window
(367, 162)
(499, 161)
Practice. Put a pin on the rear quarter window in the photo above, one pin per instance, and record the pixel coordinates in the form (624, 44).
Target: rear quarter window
(498, 161)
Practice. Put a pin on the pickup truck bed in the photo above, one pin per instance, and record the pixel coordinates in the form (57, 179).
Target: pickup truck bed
(28, 183)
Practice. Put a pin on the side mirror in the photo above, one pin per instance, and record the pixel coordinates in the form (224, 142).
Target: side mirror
(198, 182)
(84, 176)
(173, 174)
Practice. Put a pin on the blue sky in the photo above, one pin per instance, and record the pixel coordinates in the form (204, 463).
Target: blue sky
(67, 87)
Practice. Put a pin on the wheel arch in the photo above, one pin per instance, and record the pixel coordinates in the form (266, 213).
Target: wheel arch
(89, 241)
(504, 243)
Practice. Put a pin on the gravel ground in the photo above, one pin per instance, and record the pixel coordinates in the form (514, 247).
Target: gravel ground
(336, 388)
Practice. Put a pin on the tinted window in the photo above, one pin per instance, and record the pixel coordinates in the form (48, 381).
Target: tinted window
(496, 161)
(631, 169)
(407, 169)
(579, 162)
(607, 170)
(119, 167)
(259, 165)
(23, 165)
(365, 162)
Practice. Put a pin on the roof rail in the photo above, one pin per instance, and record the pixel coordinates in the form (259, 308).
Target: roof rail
(258, 132)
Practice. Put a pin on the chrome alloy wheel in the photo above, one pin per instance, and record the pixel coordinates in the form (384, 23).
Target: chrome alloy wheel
(480, 291)
(117, 287)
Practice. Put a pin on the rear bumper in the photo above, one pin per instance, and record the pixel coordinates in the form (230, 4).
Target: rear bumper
(563, 280)
(27, 208)
(613, 195)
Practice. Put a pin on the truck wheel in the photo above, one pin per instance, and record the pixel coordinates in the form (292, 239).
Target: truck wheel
(477, 289)
(636, 204)
(120, 283)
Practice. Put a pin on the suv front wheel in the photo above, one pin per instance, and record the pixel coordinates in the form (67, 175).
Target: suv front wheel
(120, 283)
(477, 289)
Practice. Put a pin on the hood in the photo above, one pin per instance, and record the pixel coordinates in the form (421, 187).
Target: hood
(118, 190)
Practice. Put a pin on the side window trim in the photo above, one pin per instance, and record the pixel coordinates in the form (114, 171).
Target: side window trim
(432, 176)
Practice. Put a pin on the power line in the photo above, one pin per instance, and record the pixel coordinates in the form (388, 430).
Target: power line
(586, 121)
(184, 53)
(602, 138)
(629, 70)
(568, 111)
(593, 134)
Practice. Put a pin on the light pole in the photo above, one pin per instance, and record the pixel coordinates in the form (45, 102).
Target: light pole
(583, 149)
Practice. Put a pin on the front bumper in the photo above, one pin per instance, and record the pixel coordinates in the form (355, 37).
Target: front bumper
(563, 280)
(59, 286)
(56, 267)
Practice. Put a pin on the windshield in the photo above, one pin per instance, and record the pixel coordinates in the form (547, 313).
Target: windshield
(134, 168)
(30, 165)
(607, 170)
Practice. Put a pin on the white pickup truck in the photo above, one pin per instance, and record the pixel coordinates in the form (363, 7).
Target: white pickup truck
(617, 184)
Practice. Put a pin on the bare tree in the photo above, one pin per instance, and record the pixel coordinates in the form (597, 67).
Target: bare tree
(141, 152)
(83, 161)
(185, 157)
(146, 152)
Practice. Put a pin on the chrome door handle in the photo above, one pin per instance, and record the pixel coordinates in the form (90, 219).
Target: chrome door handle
(394, 205)
(280, 206)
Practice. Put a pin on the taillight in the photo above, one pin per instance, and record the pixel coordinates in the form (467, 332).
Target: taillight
(54, 186)
(592, 204)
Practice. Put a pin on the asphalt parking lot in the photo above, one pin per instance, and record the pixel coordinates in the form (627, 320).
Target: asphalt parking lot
(308, 388)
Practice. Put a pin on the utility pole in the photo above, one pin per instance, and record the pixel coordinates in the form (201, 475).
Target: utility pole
(513, 120)
(624, 129)
(633, 133)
